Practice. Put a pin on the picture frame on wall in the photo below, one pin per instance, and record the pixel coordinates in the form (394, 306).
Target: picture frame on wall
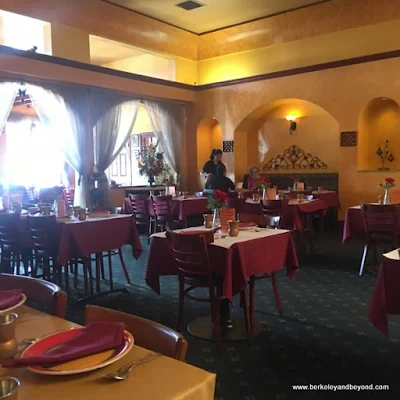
(135, 140)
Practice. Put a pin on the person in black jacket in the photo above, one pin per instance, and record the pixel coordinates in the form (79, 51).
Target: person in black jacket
(210, 167)
(220, 181)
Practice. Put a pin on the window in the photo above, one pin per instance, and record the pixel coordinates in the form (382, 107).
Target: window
(24, 33)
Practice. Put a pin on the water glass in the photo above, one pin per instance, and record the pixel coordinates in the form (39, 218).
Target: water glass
(8, 387)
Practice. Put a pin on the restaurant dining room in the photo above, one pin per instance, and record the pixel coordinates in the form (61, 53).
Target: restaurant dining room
(199, 199)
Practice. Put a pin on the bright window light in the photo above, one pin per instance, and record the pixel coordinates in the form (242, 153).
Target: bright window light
(24, 33)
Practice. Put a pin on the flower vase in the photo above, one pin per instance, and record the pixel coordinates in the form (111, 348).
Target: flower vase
(150, 179)
(386, 197)
(264, 194)
(294, 186)
(216, 219)
(166, 190)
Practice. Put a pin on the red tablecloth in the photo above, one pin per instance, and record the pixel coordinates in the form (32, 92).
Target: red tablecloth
(331, 199)
(89, 237)
(94, 236)
(386, 297)
(252, 257)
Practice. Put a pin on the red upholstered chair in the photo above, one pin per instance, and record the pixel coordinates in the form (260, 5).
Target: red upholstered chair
(43, 293)
(190, 252)
(141, 212)
(381, 228)
(148, 334)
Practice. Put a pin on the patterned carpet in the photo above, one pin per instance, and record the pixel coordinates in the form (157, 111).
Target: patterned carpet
(323, 338)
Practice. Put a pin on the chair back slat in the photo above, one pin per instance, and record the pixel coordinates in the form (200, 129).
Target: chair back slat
(8, 229)
(274, 207)
(44, 233)
(380, 218)
(139, 204)
(190, 252)
(162, 205)
(272, 221)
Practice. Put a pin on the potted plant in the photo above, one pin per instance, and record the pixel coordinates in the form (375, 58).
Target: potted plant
(150, 163)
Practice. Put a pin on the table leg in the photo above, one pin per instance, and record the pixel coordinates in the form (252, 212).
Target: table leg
(232, 328)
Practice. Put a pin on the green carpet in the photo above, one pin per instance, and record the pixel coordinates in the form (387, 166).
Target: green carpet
(324, 336)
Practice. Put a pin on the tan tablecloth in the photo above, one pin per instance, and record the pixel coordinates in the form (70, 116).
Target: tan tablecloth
(163, 378)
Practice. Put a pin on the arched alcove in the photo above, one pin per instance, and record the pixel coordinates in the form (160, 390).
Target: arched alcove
(209, 136)
(264, 134)
(379, 122)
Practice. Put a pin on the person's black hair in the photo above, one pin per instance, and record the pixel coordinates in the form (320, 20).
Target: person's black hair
(220, 170)
(215, 152)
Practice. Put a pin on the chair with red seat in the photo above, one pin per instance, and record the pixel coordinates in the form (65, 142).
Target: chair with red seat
(190, 252)
(381, 228)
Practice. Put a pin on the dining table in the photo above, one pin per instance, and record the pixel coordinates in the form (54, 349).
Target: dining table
(97, 233)
(386, 297)
(162, 378)
(252, 252)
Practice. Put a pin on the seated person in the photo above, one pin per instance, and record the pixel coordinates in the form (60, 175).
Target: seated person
(255, 180)
(220, 181)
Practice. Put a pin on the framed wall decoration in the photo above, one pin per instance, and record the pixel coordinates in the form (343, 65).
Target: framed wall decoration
(135, 140)
(348, 139)
(227, 146)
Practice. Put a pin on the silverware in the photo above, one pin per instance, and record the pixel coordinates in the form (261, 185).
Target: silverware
(122, 373)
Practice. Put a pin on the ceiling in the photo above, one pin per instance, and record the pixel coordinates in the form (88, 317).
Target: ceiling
(104, 51)
(216, 14)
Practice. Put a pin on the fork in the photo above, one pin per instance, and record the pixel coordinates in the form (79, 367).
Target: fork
(123, 373)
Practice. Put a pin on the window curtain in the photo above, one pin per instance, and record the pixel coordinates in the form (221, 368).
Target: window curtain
(167, 122)
(66, 112)
(112, 130)
(8, 92)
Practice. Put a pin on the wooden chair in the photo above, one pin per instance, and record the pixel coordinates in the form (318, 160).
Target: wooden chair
(141, 212)
(148, 334)
(163, 216)
(45, 294)
(194, 270)
(274, 207)
(11, 249)
(381, 227)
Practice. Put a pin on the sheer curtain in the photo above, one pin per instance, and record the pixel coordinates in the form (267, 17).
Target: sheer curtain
(167, 123)
(8, 91)
(112, 130)
(65, 111)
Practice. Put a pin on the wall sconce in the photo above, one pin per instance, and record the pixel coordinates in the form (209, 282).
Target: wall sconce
(293, 125)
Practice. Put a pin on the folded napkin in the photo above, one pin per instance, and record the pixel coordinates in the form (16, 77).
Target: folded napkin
(9, 298)
(94, 338)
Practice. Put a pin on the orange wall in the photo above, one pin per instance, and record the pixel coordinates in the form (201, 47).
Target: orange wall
(341, 92)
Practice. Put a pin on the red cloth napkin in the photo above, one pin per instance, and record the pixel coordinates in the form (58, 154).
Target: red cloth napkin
(9, 298)
(247, 224)
(94, 338)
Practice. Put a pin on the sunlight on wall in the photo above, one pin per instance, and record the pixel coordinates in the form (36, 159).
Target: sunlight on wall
(23, 32)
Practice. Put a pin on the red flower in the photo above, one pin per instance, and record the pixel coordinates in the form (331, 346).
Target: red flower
(165, 180)
(389, 180)
(295, 178)
(266, 180)
(220, 196)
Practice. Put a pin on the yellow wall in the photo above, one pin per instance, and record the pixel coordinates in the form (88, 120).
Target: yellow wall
(341, 45)
(380, 121)
(146, 64)
(69, 42)
(142, 124)
(342, 92)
